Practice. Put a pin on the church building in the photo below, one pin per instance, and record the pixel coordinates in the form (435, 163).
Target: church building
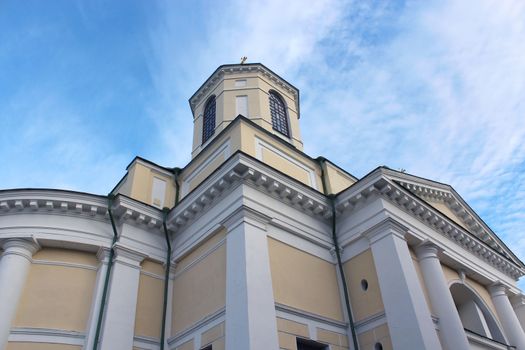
(254, 245)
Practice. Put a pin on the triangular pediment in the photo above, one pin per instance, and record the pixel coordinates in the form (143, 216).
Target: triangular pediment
(445, 199)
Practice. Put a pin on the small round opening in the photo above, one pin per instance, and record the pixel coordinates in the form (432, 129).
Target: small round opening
(364, 284)
(378, 346)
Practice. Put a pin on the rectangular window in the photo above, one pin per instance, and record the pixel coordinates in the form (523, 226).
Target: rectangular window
(209, 347)
(305, 344)
(241, 105)
(158, 192)
(240, 83)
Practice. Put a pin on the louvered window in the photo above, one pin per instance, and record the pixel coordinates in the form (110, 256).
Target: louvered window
(208, 122)
(278, 112)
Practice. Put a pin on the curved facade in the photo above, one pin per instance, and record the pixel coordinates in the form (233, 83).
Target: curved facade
(267, 248)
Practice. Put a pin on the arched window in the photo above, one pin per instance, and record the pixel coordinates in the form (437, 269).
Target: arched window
(278, 112)
(474, 313)
(208, 120)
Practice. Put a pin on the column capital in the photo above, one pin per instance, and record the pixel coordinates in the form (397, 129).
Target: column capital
(497, 290)
(20, 246)
(103, 254)
(427, 250)
(246, 215)
(128, 256)
(385, 228)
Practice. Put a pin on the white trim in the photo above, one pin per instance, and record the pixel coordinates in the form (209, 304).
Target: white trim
(152, 275)
(145, 343)
(46, 335)
(224, 149)
(195, 330)
(64, 264)
(200, 258)
(260, 145)
(308, 317)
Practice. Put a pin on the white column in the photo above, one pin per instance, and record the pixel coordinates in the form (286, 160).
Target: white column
(507, 317)
(407, 314)
(250, 307)
(451, 328)
(103, 257)
(119, 316)
(14, 267)
(518, 303)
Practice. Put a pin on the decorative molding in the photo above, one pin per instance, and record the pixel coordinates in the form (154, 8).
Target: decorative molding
(260, 145)
(64, 264)
(241, 169)
(431, 217)
(146, 343)
(310, 316)
(128, 256)
(200, 258)
(46, 335)
(219, 314)
(53, 202)
(456, 205)
(224, 149)
(370, 322)
(236, 69)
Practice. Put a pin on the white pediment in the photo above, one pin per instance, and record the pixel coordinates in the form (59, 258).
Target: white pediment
(445, 199)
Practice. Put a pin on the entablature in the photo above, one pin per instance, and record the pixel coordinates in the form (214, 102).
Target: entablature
(378, 183)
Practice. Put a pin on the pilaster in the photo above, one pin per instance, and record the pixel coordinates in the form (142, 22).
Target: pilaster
(407, 313)
(119, 316)
(250, 307)
(103, 258)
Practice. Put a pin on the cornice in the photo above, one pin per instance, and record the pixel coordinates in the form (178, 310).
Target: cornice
(242, 169)
(133, 212)
(236, 69)
(82, 205)
(53, 202)
(419, 209)
(467, 216)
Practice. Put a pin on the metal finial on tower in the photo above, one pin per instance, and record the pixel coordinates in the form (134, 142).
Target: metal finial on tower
(243, 59)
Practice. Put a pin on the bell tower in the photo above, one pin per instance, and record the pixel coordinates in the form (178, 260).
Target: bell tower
(251, 90)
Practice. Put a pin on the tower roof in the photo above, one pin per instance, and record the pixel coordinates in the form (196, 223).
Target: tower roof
(240, 68)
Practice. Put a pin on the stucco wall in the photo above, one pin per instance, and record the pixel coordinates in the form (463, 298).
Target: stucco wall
(199, 287)
(148, 317)
(364, 302)
(303, 281)
(58, 290)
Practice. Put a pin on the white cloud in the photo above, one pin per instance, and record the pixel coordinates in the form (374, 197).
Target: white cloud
(436, 88)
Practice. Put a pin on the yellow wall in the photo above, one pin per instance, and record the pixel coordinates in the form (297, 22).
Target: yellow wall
(40, 346)
(368, 339)
(364, 303)
(288, 331)
(303, 281)
(199, 289)
(214, 336)
(148, 318)
(57, 297)
(337, 179)
(186, 346)
(452, 275)
(337, 341)
(442, 207)
(139, 183)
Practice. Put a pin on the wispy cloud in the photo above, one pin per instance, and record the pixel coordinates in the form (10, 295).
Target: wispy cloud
(436, 88)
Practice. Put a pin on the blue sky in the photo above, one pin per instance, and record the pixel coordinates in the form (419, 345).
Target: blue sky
(434, 87)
